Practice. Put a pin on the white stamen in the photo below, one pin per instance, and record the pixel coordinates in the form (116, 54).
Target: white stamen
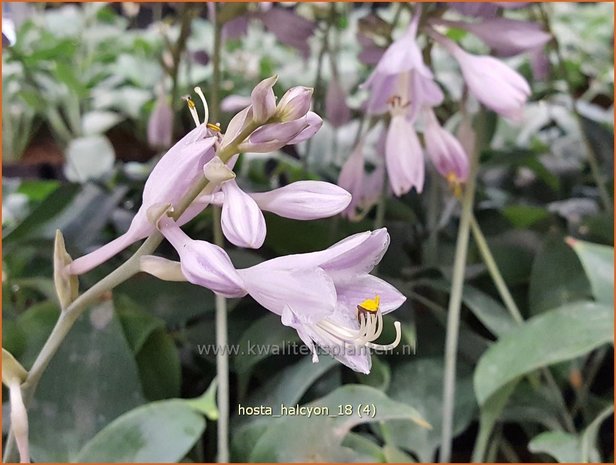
(193, 110)
(370, 328)
(393, 344)
(206, 109)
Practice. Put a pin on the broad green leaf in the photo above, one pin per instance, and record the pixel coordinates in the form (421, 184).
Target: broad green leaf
(36, 323)
(598, 262)
(364, 446)
(206, 403)
(288, 386)
(524, 216)
(564, 447)
(53, 204)
(488, 414)
(567, 447)
(259, 340)
(90, 381)
(554, 336)
(319, 437)
(162, 431)
(420, 382)
(159, 366)
(490, 312)
(588, 440)
(138, 325)
(173, 302)
(379, 376)
(557, 277)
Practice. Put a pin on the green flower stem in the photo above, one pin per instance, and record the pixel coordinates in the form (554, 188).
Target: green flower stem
(222, 336)
(593, 159)
(495, 273)
(222, 358)
(453, 317)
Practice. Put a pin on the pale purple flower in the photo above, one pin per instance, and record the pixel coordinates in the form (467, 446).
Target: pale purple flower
(295, 103)
(274, 136)
(316, 293)
(479, 9)
(242, 221)
(263, 100)
(289, 28)
(169, 181)
(160, 124)
(336, 108)
(351, 178)
(402, 73)
(234, 103)
(403, 156)
(507, 37)
(374, 183)
(491, 81)
(445, 151)
(202, 263)
(304, 200)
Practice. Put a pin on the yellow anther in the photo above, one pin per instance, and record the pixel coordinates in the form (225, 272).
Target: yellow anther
(370, 305)
(454, 184)
(213, 127)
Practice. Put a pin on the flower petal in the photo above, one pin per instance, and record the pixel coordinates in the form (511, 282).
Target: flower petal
(242, 221)
(263, 100)
(309, 292)
(304, 200)
(403, 156)
(352, 293)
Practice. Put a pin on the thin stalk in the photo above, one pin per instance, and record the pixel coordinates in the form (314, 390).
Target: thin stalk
(495, 273)
(453, 317)
(513, 309)
(222, 359)
(222, 338)
(592, 156)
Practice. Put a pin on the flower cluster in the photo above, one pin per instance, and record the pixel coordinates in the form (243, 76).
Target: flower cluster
(403, 86)
(328, 297)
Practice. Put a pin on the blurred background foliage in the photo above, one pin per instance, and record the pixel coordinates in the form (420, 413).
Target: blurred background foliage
(79, 85)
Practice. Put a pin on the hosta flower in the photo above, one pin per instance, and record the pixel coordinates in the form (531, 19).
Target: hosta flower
(292, 121)
(352, 179)
(336, 109)
(243, 223)
(160, 124)
(505, 36)
(172, 177)
(401, 72)
(491, 81)
(328, 297)
(445, 151)
(403, 154)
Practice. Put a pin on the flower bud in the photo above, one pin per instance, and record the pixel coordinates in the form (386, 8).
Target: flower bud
(445, 151)
(242, 222)
(263, 100)
(304, 200)
(313, 123)
(202, 263)
(160, 124)
(294, 104)
(67, 285)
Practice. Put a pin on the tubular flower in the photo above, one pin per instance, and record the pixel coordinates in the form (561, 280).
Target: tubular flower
(445, 151)
(328, 297)
(243, 223)
(491, 81)
(401, 71)
(403, 153)
(170, 180)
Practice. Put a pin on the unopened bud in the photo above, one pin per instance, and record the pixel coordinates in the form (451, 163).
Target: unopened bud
(67, 285)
